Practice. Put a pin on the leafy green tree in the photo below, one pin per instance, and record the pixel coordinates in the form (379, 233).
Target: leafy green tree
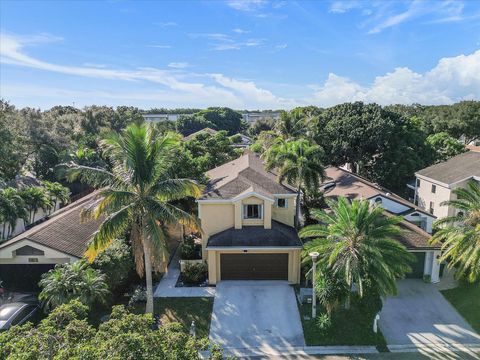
(58, 193)
(209, 151)
(223, 118)
(66, 334)
(261, 125)
(189, 124)
(356, 243)
(73, 281)
(291, 125)
(298, 163)
(136, 196)
(12, 208)
(35, 198)
(459, 235)
(445, 146)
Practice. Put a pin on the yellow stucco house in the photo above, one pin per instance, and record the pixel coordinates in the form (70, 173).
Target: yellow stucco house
(247, 219)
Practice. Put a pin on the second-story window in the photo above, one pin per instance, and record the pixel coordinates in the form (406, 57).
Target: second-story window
(431, 207)
(434, 189)
(252, 211)
(282, 203)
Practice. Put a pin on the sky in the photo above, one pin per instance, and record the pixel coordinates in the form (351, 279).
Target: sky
(256, 54)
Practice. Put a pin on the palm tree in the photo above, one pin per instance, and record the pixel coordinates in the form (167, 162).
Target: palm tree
(459, 234)
(57, 192)
(355, 242)
(136, 196)
(72, 281)
(35, 197)
(299, 163)
(12, 208)
(291, 125)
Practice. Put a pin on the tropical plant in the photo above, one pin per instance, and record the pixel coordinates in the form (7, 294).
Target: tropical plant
(57, 192)
(355, 243)
(136, 196)
(298, 163)
(459, 235)
(12, 208)
(77, 280)
(330, 290)
(35, 198)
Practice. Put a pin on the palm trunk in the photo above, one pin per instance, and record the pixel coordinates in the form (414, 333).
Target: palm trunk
(148, 279)
(297, 209)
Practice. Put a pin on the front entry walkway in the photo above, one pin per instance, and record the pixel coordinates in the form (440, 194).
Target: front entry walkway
(259, 315)
(419, 316)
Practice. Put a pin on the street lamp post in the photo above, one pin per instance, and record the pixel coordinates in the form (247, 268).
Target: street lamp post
(314, 256)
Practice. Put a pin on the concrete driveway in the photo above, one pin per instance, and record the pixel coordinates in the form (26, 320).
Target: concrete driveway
(420, 315)
(256, 314)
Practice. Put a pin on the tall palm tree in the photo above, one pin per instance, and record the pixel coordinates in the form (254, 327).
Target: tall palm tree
(57, 192)
(12, 208)
(355, 242)
(291, 125)
(459, 234)
(299, 163)
(35, 198)
(136, 196)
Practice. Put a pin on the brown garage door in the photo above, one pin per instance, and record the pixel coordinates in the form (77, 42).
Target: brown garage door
(254, 266)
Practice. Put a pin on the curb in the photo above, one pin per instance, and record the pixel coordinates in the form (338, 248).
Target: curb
(435, 347)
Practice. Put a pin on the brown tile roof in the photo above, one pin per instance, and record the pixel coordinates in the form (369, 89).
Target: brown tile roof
(63, 231)
(280, 235)
(245, 174)
(456, 169)
(414, 238)
(353, 186)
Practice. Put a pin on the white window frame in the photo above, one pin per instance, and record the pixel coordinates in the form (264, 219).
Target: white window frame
(245, 212)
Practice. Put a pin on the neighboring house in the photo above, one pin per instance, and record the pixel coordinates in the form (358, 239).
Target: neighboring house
(244, 142)
(435, 184)
(415, 228)
(161, 117)
(247, 219)
(63, 238)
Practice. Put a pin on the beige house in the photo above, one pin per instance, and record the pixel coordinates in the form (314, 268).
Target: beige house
(416, 226)
(247, 219)
(435, 183)
(63, 238)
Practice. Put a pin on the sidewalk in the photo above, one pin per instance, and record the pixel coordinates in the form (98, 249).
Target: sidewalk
(166, 286)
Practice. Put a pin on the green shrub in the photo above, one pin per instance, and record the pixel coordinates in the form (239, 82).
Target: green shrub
(116, 262)
(194, 273)
(188, 248)
(324, 321)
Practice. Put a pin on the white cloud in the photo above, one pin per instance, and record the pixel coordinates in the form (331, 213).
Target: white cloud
(179, 65)
(246, 5)
(281, 46)
(452, 79)
(240, 31)
(167, 24)
(341, 7)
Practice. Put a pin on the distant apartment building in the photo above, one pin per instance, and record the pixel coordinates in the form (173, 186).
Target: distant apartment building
(161, 117)
(264, 115)
(435, 184)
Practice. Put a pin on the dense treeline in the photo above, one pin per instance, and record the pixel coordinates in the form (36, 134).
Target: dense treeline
(386, 144)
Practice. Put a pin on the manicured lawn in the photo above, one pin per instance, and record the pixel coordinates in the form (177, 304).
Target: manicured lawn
(186, 310)
(466, 299)
(349, 327)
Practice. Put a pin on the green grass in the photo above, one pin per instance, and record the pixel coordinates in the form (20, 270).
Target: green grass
(466, 299)
(186, 310)
(349, 327)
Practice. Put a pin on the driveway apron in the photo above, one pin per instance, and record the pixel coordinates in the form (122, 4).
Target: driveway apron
(256, 314)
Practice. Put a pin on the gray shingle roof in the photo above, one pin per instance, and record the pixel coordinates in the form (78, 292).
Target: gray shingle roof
(280, 235)
(458, 168)
(63, 231)
(242, 174)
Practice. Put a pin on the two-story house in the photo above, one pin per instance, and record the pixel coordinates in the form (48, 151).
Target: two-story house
(435, 184)
(247, 219)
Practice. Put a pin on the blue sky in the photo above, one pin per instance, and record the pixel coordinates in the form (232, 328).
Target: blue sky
(255, 54)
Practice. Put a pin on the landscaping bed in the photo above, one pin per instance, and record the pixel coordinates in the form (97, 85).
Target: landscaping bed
(348, 327)
(466, 299)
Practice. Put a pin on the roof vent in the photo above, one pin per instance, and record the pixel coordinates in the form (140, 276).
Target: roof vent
(387, 194)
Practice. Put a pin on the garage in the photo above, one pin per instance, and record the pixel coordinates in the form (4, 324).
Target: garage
(23, 277)
(245, 266)
(418, 266)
